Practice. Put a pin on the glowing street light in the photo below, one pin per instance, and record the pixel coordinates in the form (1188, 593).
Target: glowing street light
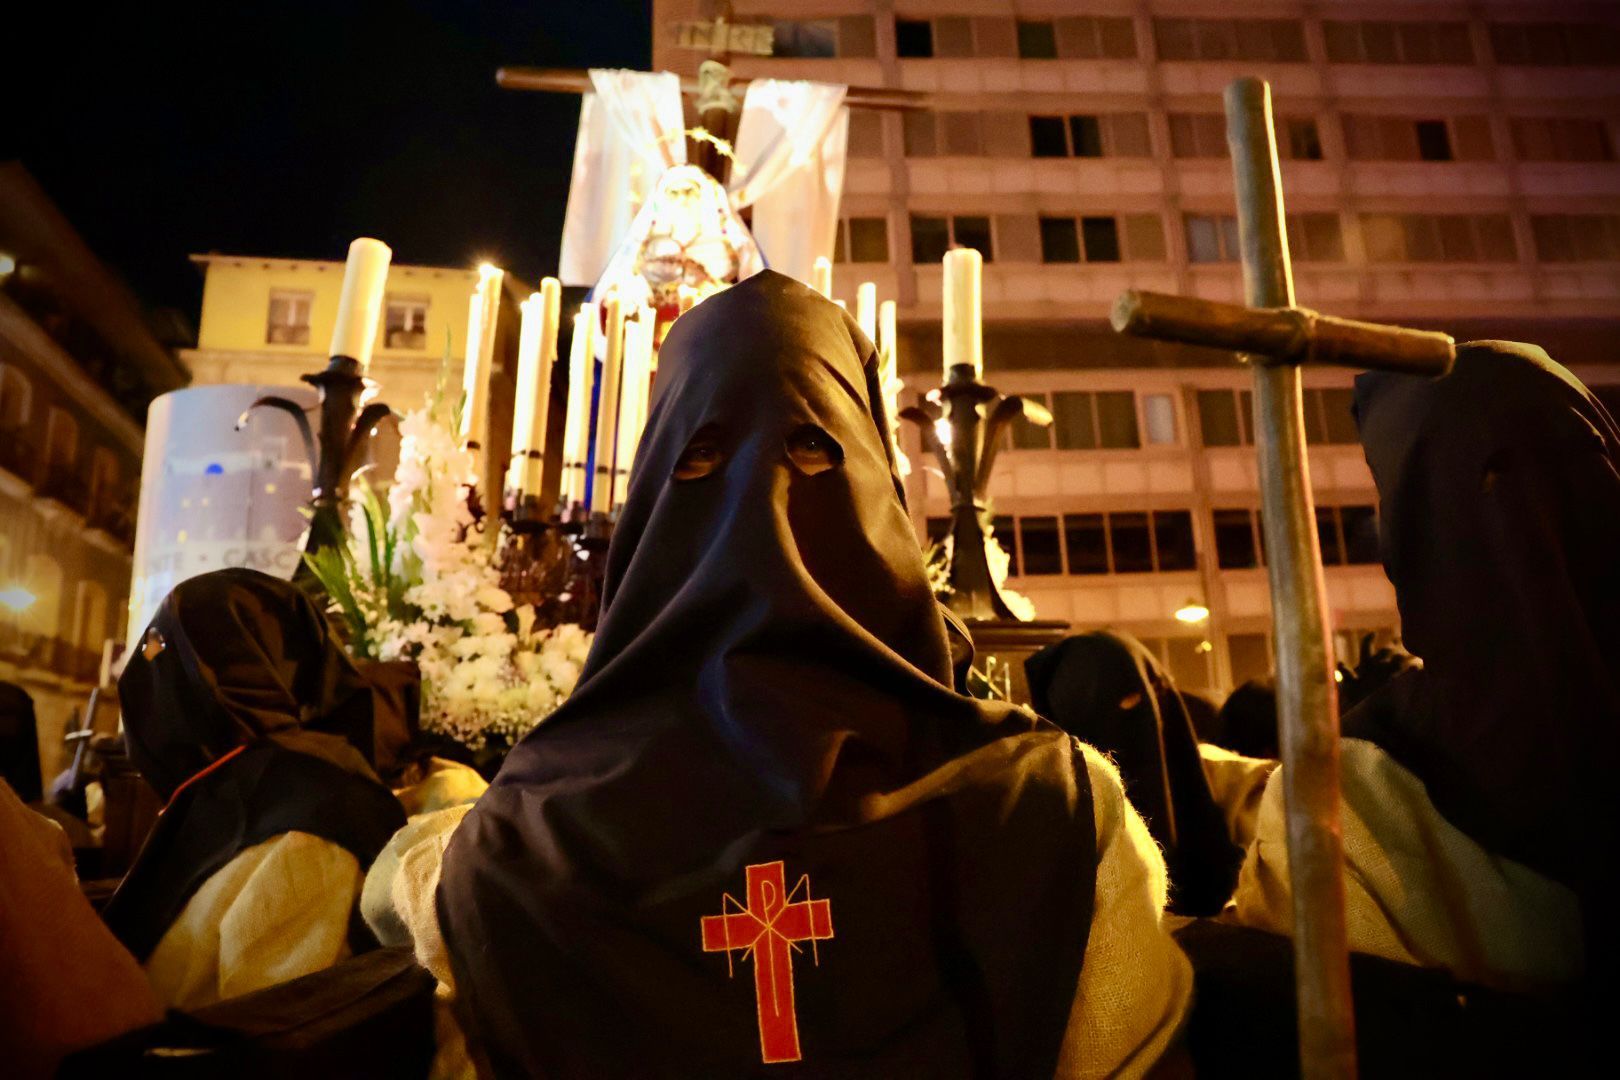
(17, 598)
(1192, 612)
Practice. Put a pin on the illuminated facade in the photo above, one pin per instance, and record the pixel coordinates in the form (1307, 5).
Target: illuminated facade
(78, 366)
(1447, 164)
(269, 321)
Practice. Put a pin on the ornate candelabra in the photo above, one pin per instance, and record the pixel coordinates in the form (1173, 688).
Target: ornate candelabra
(962, 423)
(335, 452)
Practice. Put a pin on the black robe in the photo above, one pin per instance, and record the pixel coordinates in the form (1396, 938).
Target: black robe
(1499, 508)
(767, 709)
(1106, 689)
(250, 721)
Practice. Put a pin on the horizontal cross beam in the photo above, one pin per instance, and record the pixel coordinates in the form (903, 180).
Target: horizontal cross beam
(1283, 335)
(575, 81)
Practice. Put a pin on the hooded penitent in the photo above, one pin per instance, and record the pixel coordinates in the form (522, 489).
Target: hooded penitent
(1109, 691)
(764, 828)
(1499, 503)
(250, 721)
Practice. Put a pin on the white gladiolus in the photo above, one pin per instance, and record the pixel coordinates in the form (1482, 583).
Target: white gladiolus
(488, 673)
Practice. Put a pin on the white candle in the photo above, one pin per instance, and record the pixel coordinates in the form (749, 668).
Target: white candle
(634, 386)
(888, 341)
(577, 424)
(686, 299)
(537, 350)
(360, 304)
(481, 318)
(963, 323)
(607, 409)
(866, 309)
(821, 276)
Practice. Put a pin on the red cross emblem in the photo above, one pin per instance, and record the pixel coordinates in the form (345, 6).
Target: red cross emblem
(767, 930)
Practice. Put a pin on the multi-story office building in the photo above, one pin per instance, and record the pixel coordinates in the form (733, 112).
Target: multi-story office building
(1447, 164)
(78, 366)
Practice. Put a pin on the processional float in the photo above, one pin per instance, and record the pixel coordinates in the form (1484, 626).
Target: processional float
(1277, 337)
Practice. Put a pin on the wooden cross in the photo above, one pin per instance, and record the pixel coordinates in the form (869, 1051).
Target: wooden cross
(766, 930)
(1278, 337)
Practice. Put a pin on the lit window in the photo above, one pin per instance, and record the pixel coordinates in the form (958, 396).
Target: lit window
(288, 322)
(405, 325)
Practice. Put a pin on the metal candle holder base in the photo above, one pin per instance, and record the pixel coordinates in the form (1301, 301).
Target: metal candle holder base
(334, 453)
(976, 415)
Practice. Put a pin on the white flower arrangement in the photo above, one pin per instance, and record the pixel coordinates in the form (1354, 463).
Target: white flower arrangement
(417, 581)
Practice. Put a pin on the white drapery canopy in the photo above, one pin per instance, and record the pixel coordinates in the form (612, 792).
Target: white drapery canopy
(789, 166)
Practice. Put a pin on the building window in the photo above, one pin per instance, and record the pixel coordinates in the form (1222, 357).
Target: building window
(1226, 417)
(1086, 239)
(1237, 539)
(804, 38)
(1554, 138)
(943, 134)
(1090, 136)
(1198, 135)
(1159, 420)
(405, 323)
(1397, 43)
(1400, 138)
(16, 398)
(1095, 420)
(1556, 44)
(1036, 40)
(1563, 238)
(1315, 238)
(1439, 238)
(1348, 534)
(1041, 549)
(1212, 238)
(288, 323)
(1300, 140)
(865, 134)
(1433, 141)
(61, 444)
(913, 38)
(1095, 38)
(1330, 417)
(931, 237)
(862, 240)
(1002, 531)
(1230, 39)
(1129, 542)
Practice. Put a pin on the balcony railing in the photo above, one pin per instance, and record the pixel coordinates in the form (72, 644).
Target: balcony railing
(17, 455)
(114, 520)
(62, 486)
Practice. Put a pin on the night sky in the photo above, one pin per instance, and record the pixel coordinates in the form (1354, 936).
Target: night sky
(287, 129)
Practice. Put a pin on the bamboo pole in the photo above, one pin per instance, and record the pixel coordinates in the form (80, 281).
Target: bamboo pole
(1306, 696)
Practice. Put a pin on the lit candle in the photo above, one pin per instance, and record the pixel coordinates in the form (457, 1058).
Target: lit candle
(360, 304)
(577, 424)
(964, 327)
(821, 276)
(866, 309)
(888, 341)
(607, 408)
(633, 393)
(889, 384)
(685, 298)
(537, 350)
(481, 316)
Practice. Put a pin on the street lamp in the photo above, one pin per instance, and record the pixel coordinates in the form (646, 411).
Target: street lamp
(1192, 613)
(16, 598)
